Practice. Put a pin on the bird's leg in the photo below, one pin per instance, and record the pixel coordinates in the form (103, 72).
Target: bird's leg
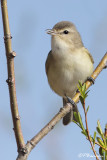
(91, 79)
(71, 101)
(70, 116)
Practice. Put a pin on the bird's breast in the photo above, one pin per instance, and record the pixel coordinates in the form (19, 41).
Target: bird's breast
(66, 70)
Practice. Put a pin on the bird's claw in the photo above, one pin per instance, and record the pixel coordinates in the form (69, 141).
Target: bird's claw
(91, 79)
(71, 101)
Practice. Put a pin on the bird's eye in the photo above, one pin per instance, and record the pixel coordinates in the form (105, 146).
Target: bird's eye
(66, 32)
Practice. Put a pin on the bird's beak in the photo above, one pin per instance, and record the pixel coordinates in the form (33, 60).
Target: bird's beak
(51, 32)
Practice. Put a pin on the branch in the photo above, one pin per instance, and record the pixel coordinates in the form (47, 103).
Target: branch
(100, 146)
(11, 76)
(88, 131)
(63, 111)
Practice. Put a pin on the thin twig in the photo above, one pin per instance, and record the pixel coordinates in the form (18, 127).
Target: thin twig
(11, 76)
(88, 134)
(32, 143)
(100, 146)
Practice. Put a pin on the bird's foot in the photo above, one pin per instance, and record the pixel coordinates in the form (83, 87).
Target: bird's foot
(71, 101)
(91, 79)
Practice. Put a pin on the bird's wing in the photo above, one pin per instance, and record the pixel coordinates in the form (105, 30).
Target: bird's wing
(48, 61)
(92, 60)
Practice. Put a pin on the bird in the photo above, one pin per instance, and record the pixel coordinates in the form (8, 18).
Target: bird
(67, 63)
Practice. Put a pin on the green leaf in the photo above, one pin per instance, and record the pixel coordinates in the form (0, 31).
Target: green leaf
(99, 130)
(76, 116)
(80, 122)
(79, 87)
(76, 123)
(87, 109)
(94, 138)
(100, 142)
(84, 88)
(99, 126)
(84, 132)
(106, 141)
(80, 84)
(82, 100)
(101, 152)
(87, 93)
(105, 154)
(95, 135)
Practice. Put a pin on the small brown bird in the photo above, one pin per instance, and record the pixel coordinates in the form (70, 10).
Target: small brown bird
(67, 62)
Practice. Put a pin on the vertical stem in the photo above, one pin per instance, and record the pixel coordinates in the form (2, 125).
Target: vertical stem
(88, 131)
(11, 76)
